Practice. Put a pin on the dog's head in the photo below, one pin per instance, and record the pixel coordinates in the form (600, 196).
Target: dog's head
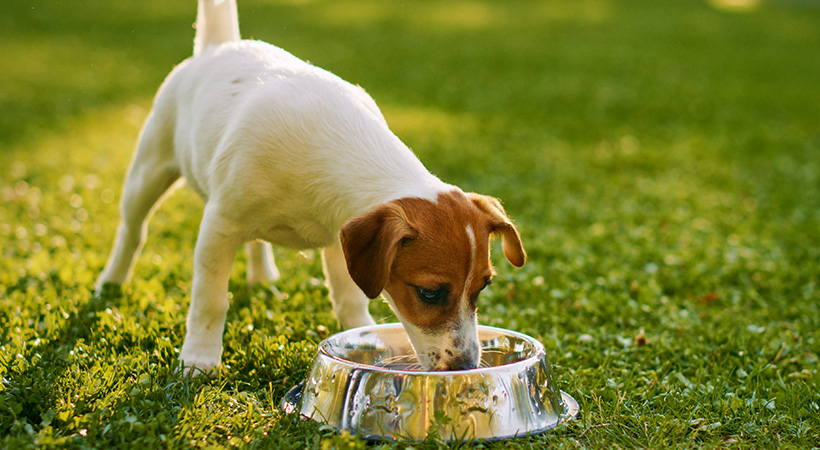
(432, 259)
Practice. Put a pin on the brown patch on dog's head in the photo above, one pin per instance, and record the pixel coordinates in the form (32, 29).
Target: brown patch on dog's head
(413, 246)
(433, 259)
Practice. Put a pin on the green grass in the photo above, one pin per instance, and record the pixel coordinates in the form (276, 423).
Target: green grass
(661, 159)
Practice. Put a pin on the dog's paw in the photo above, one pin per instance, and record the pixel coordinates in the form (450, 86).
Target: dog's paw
(190, 368)
(195, 363)
(196, 371)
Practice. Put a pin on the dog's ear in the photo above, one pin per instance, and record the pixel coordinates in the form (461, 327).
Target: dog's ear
(370, 242)
(501, 224)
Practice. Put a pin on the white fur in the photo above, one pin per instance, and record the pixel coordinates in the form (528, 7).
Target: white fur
(279, 150)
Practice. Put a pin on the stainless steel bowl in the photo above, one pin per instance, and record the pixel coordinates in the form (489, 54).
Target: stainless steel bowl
(363, 381)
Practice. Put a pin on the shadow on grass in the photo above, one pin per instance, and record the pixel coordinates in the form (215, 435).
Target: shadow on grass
(42, 393)
(31, 392)
(82, 383)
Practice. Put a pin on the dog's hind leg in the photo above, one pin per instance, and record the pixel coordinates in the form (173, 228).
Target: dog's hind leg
(261, 266)
(153, 171)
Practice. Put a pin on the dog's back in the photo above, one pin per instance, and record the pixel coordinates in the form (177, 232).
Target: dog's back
(280, 129)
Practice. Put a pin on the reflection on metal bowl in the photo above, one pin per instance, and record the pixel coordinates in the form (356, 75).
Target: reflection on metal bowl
(368, 382)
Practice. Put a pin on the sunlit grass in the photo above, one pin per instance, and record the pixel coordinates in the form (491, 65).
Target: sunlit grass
(661, 159)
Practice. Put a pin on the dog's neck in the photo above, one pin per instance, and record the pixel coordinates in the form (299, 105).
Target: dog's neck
(381, 176)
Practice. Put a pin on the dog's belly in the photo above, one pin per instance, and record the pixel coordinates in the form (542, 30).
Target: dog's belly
(301, 235)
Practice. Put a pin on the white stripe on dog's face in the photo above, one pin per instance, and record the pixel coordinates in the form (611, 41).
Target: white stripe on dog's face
(465, 335)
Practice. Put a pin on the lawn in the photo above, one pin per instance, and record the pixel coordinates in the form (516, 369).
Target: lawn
(660, 158)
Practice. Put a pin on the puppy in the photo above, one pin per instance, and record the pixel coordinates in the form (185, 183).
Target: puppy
(286, 153)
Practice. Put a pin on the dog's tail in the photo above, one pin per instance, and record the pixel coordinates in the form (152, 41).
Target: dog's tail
(217, 21)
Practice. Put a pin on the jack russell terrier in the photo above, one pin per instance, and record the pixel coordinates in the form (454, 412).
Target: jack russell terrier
(286, 153)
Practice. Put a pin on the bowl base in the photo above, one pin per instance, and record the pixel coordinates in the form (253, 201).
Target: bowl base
(291, 400)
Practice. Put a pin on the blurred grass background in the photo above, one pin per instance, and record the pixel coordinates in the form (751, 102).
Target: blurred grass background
(661, 159)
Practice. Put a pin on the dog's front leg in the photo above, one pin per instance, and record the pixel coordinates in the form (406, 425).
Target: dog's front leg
(349, 302)
(214, 253)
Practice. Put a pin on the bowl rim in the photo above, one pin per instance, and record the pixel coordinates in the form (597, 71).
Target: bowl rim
(538, 353)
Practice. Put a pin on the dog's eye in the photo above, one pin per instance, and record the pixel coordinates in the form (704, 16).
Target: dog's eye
(432, 296)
